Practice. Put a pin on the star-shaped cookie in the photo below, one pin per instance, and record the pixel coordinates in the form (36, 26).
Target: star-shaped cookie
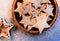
(5, 28)
(28, 9)
(40, 24)
(19, 8)
(23, 8)
(25, 20)
(37, 3)
(49, 10)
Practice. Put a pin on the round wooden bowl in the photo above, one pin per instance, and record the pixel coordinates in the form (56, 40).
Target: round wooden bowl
(55, 12)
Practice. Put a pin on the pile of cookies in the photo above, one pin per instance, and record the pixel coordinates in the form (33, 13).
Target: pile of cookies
(35, 13)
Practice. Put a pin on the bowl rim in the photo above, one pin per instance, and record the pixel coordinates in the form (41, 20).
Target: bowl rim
(33, 32)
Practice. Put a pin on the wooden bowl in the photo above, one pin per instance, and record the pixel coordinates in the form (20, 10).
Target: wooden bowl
(55, 12)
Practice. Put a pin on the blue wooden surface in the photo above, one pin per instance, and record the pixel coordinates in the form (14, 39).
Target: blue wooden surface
(53, 34)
